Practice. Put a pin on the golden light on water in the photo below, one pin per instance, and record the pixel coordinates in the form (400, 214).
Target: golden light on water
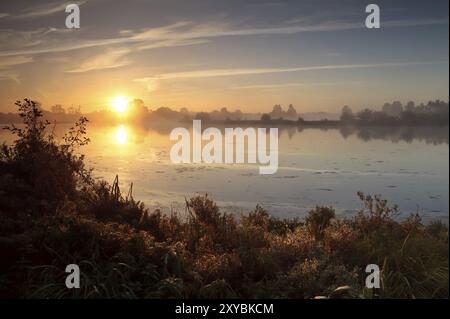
(120, 104)
(121, 135)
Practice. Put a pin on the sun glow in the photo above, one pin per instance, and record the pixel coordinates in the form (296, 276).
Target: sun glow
(120, 104)
(121, 135)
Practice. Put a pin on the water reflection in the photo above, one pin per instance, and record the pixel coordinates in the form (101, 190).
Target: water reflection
(320, 165)
(126, 134)
(429, 135)
(137, 134)
(121, 135)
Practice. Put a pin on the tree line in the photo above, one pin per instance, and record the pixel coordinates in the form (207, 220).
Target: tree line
(433, 113)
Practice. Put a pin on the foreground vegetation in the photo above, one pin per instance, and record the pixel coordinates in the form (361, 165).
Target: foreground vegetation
(53, 213)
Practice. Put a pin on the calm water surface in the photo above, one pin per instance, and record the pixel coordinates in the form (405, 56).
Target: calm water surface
(408, 167)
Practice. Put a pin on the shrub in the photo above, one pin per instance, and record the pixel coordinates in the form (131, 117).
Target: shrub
(106, 203)
(207, 224)
(318, 220)
(41, 173)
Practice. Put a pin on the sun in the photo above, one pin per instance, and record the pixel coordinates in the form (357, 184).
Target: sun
(120, 104)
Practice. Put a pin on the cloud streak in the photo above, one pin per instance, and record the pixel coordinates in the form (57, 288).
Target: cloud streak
(185, 33)
(6, 65)
(256, 71)
(288, 85)
(151, 83)
(109, 60)
(13, 61)
(44, 10)
(9, 75)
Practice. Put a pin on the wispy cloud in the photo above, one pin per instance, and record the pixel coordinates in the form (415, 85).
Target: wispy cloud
(27, 40)
(45, 9)
(8, 62)
(186, 33)
(270, 86)
(255, 71)
(9, 75)
(6, 65)
(171, 43)
(179, 30)
(116, 58)
(151, 83)
(43, 43)
(108, 60)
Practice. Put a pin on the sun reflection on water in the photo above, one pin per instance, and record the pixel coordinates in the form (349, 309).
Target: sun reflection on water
(121, 135)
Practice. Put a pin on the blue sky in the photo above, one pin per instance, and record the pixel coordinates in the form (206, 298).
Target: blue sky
(204, 55)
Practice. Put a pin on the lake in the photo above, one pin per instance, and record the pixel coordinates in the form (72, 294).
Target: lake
(317, 166)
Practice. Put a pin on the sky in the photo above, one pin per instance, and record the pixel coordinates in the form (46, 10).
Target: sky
(248, 55)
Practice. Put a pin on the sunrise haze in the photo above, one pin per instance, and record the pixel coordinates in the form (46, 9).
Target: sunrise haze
(203, 55)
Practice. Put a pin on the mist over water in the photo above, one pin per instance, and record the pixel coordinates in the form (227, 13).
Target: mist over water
(407, 166)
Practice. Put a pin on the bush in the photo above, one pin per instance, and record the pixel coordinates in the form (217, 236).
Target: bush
(36, 171)
(318, 220)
